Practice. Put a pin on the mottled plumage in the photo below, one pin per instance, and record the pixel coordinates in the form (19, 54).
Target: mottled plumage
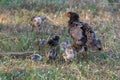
(82, 33)
(37, 20)
(68, 52)
(36, 23)
(42, 42)
(52, 54)
(54, 41)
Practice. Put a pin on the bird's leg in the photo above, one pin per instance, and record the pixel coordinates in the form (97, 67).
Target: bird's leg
(85, 55)
(47, 61)
(78, 49)
(37, 30)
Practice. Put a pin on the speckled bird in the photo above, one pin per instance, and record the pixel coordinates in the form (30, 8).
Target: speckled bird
(42, 42)
(36, 23)
(54, 45)
(83, 34)
(68, 52)
(52, 54)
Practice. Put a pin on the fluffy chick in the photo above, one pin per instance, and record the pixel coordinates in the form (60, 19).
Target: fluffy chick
(54, 41)
(42, 42)
(52, 54)
(36, 23)
(68, 52)
(37, 20)
(36, 57)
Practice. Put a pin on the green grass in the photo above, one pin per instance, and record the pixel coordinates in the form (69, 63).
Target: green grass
(16, 36)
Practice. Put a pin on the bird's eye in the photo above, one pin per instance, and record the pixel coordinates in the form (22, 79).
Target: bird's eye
(68, 15)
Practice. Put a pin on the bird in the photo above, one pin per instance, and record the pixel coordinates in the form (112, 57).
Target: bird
(68, 52)
(54, 45)
(54, 41)
(36, 23)
(37, 20)
(42, 42)
(83, 34)
(36, 57)
(52, 54)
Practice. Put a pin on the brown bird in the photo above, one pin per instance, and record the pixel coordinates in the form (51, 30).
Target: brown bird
(83, 34)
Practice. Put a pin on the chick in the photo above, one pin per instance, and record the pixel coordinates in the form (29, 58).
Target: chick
(36, 57)
(54, 44)
(68, 52)
(37, 20)
(42, 42)
(36, 23)
(54, 41)
(52, 54)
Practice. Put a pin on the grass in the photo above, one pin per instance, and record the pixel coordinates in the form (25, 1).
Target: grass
(16, 36)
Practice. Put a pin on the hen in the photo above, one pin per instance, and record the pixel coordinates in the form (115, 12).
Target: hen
(83, 34)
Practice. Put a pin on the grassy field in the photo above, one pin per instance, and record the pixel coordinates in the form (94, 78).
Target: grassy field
(16, 36)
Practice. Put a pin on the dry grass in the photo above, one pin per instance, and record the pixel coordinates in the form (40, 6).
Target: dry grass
(16, 36)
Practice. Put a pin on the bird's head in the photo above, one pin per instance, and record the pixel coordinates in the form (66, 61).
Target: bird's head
(73, 16)
(56, 38)
(42, 42)
(37, 20)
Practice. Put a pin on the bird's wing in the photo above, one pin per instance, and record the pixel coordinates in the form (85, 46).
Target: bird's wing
(92, 38)
(89, 31)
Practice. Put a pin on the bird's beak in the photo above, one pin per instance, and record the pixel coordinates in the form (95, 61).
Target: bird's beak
(68, 14)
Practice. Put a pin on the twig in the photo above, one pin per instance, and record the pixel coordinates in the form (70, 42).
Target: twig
(18, 53)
